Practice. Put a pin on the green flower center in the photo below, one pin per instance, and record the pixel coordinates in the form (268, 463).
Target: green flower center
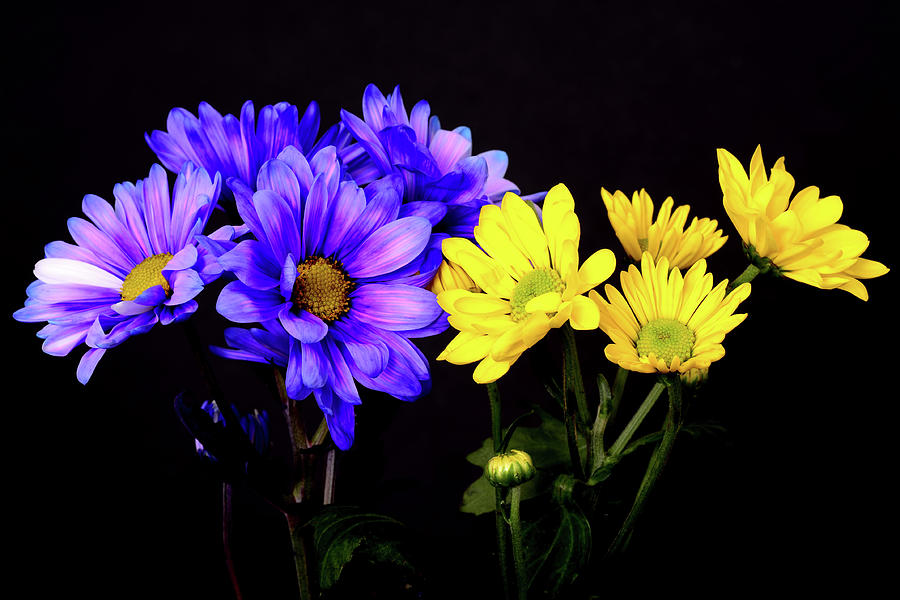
(667, 338)
(643, 243)
(532, 285)
(322, 288)
(146, 275)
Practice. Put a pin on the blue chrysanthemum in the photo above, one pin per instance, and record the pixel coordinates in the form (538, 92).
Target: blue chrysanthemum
(436, 164)
(131, 266)
(254, 425)
(333, 274)
(234, 147)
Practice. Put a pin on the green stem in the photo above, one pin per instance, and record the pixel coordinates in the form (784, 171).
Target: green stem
(298, 544)
(671, 427)
(499, 521)
(573, 375)
(749, 273)
(569, 414)
(515, 530)
(617, 391)
(573, 368)
(496, 428)
(637, 419)
(299, 441)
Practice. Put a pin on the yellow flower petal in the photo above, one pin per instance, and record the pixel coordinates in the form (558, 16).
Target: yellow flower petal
(585, 314)
(489, 370)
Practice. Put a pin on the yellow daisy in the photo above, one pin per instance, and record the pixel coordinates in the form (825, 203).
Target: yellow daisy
(665, 323)
(799, 238)
(666, 236)
(530, 278)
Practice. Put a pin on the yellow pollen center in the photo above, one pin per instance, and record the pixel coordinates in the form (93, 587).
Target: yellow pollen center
(667, 338)
(322, 288)
(146, 275)
(532, 285)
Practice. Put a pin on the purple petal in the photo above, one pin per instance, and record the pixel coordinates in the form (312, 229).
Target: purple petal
(373, 106)
(314, 368)
(368, 140)
(293, 377)
(341, 379)
(349, 204)
(383, 206)
(394, 307)
(339, 417)
(242, 304)
(157, 209)
(88, 363)
(448, 148)
(302, 325)
(250, 262)
(186, 285)
(418, 120)
(389, 248)
(280, 231)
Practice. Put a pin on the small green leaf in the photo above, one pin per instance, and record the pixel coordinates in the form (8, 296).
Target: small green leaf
(557, 547)
(341, 534)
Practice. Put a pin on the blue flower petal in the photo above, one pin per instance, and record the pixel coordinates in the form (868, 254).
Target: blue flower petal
(88, 363)
(389, 248)
(302, 325)
(294, 377)
(394, 307)
(314, 369)
(251, 264)
(242, 304)
(280, 230)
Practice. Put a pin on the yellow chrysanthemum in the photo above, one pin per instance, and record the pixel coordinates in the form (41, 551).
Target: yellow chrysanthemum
(801, 239)
(530, 278)
(666, 236)
(450, 276)
(665, 323)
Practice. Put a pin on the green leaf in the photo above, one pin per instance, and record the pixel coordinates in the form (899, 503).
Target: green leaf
(341, 534)
(545, 443)
(557, 547)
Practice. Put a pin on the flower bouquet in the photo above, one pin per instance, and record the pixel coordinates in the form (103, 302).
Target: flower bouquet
(333, 253)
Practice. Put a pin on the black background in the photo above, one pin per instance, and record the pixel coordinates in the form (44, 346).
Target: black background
(103, 491)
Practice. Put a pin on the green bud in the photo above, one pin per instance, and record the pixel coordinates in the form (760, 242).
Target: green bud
(509, 469)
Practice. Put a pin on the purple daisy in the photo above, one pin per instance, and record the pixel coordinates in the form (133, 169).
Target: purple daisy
(334, 276)
(132, 265)
(234, 147)
(436, 164)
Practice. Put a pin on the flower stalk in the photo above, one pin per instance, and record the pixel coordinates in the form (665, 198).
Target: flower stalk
(671, 427)
(573, 414)
(499, 518)
(748, 275)
(515, 530)
(643, 410)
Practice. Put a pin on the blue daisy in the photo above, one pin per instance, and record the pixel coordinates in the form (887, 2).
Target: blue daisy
(234, 147)
(139, 263)
(436, 164)
(334, 276)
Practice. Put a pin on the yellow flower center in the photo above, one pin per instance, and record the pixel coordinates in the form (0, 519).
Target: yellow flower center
(667, 338)
(532, 285)
(322, 288)
(146, 275)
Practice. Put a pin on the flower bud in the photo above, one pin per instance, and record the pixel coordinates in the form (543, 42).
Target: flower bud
(694, 378)
(509, 469)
